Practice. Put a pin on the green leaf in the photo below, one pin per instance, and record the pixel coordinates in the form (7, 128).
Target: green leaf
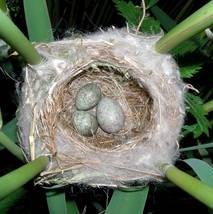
(202, 169)
(1, 121)
(72, 207)
(195, 107)
(201, 146)
(3, 6)
(38, 21)
(10, 200)
(195, 129)
(10, 130)
(190, 71)
(151, 3)
(128, 202)
(56, 202)
(129, 11)
(166, 22)
(185, 47)
(150, 26)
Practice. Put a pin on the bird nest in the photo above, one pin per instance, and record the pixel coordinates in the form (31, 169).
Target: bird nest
(127, 69)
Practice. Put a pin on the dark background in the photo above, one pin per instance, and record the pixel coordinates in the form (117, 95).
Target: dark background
(86, 16)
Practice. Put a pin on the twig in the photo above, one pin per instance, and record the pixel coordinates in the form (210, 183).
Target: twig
(143, 16)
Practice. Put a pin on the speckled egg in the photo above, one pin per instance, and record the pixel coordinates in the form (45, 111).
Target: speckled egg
(88, 96)
(85, 123)
(110, 115)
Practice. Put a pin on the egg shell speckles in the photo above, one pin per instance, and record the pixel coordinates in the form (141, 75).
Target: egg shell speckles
(110, 115)
(88, 96)
(85, 123)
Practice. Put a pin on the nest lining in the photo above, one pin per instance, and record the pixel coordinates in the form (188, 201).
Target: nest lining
(126, 68)
(134, 100)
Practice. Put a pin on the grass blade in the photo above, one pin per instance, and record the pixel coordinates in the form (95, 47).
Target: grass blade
(166, 22)
(128, 202)
(72, 207)
(202, 169)
(56, 202)
(10, 129)
(38, 21)
(1, 121)
(202, 146)
(17, 178)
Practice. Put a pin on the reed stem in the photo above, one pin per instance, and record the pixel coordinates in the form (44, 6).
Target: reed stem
(198, 21)
(191, 185)
(16, 39)
(8, 144)
(208, 107)
(17, 178)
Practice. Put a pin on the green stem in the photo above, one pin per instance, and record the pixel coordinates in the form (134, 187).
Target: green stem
(17, 178)
(195, 23)
(208, 107)
(15, 38)
(191, 185)
(11, 146)
(3, 6)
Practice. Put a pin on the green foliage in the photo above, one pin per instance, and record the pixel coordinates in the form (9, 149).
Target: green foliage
(129, 11)
(39, 27)
(133, 15)
(195, 108)
(202, 169)
(150, 3)
(10, 129)
(166, 22)
(195, 129)
(201, 146)
(190, 70)
(57, 203)
(1, 122)
(185, 47)
(150, 26)
(11, 200)
(126, 202)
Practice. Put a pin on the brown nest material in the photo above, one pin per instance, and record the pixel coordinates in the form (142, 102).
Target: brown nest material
(126, 68)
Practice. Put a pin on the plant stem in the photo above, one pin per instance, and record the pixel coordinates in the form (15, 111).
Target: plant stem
(191, 185)
(17, 178)
(3, 6)
(11, 146)
(208, 107)
(16, 39)
(195, 23)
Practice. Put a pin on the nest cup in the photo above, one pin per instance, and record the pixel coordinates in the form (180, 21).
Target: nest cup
(126, 67)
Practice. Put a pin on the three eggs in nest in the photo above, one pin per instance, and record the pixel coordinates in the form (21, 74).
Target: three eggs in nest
(94, 110)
